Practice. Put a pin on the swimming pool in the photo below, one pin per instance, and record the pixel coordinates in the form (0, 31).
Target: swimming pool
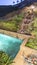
(10, 45)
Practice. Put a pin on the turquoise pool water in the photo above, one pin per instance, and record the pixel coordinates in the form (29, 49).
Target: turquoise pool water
(10, 45)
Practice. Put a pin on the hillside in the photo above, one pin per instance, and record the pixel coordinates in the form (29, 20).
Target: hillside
(15, 19)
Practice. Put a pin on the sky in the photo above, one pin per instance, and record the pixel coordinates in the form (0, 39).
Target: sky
(9, 2)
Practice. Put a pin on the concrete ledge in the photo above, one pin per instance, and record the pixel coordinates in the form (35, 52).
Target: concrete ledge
(14, 34)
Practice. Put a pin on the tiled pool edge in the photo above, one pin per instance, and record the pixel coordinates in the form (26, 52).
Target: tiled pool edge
(14, 34)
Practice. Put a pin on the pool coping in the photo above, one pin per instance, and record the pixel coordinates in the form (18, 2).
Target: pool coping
(14, 34)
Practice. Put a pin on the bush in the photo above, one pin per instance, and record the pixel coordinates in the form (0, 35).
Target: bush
(32, 43)
(4, 58)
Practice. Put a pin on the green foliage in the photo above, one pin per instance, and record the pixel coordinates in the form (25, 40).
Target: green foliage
(5, 59)
(13, 24)
(34, 31)
(35, 22)
(32, 43)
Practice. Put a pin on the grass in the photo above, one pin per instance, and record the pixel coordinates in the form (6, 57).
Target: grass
(34, 32)
(13, 24)
(35, 22)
